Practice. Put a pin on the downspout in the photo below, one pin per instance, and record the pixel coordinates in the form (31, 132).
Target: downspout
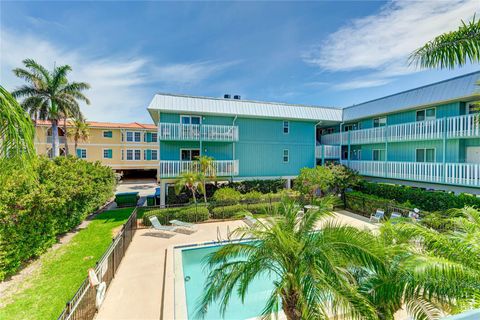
(341, 140)
(233, 146)
(315, 146)
(444, 155)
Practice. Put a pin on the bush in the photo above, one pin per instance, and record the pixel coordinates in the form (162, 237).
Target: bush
(262, 186)
(50, 199)
(185, 214)
(127, 199)
(185, 196)
(252, 197)
(226, 212)
(261, 208)
(226, 196)
(424, 200)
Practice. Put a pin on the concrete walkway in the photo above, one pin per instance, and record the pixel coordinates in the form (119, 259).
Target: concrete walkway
(136, 291)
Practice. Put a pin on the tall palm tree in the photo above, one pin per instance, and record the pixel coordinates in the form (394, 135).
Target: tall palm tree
(192, 181)
(451, 49)
(49, 95)
(79, 131)
(16, 129)
(207, 169)
(310, 270)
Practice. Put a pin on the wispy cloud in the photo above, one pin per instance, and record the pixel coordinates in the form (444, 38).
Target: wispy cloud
(121, 86)
(380, 44)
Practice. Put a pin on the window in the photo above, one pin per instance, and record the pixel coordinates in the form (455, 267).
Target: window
(380, 122)
(189, 154)
(473, 107)
(286, 126)
(154, 137)
(150, 154)
(107, 134)
(123, 154)
(350, 127)
(426, 114)
(285, 155)
(329, 130)
(190, 119)
(425, 155)
(82, 153)
(154, 154)
(133, 154)
(107, 153)
(150, 137)
(379, 155)
(134, 136)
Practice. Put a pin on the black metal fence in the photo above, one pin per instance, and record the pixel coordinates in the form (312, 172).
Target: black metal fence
(83, 304)
(366, 206)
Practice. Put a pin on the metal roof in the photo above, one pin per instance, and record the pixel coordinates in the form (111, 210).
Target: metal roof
(450, 90)
(165, 102)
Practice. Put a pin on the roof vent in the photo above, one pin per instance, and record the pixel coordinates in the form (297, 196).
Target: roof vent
(227, 96)
(237, 97)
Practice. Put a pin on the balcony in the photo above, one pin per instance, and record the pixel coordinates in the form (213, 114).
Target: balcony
(467, 126)
(463, 174)
(61, 139)
(329, 152)
(172, 169)
(197, 132)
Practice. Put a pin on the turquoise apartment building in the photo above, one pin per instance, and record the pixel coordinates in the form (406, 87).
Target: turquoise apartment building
(427, 137)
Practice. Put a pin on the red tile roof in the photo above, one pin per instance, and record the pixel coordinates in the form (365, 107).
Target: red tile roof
(113, 125)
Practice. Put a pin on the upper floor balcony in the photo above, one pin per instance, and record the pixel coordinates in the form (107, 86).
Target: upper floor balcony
(174, 168)
(327, 151)
(463, 174)
(465, 126)
(197, 132)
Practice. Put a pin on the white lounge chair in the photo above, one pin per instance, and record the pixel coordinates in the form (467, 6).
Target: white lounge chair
(250, 221)
(158, 226)
(186, 225)
(379, 214)
(395, 215)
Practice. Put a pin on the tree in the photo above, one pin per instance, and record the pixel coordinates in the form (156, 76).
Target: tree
(79, 131)
(311, 180)
(192, 181)
(16, 129)
(310, 270)
(450, 49)
(207, 169)
(49, 95)
(343, 178)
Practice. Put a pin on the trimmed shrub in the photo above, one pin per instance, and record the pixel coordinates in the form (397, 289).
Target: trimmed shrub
(262, 186)
(226, 196)
(260, 208)
(252, 197)
(185, 214)
(226, 212)
(127, 199)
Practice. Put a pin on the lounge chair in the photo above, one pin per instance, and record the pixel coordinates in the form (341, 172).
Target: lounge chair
(395, 215)
(158, 226)
(250, 221)
(186, 225)
(379, 214)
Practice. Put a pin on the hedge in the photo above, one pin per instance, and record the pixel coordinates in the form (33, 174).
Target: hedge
(262, 186)
(422, 199)
(226, 212)
(49, 199)
(185, 214)
(127, 199)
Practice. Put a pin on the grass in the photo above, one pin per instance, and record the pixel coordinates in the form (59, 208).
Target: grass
(43, 295)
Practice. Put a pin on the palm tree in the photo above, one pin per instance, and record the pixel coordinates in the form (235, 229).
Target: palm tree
(16, 129)
(80, 131)
(207, 169)
(192, 181)
(49, 95)
(310, 270)
(450, 49)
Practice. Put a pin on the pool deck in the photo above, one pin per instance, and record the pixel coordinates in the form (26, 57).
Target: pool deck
(145, 277)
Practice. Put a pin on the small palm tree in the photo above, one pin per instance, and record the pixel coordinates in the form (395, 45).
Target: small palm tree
(80, 131)
(207, 169)
(450, 49)
(310, 270)
(49, 95)
(16, 129)
(192, 181)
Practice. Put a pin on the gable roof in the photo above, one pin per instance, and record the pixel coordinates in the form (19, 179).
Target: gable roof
(165, 102)
(450, 90)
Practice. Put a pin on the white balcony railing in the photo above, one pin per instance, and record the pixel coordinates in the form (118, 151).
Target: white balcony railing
(174, 168)
(464, 174)
(61, 139)
(465, 126)
(196, 132)
(329, 152)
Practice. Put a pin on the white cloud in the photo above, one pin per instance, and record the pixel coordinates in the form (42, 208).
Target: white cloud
(121, 86)
(381, 43)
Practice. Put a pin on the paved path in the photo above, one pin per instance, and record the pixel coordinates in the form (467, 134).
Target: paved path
(136, 291)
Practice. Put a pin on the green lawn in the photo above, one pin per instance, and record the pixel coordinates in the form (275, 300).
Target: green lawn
(45, 293)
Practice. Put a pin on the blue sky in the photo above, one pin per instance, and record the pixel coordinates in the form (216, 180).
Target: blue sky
(318, 53)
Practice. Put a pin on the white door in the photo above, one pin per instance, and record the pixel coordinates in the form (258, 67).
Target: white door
(473, 155)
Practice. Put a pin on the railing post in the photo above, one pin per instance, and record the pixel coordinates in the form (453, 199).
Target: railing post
(444, 155)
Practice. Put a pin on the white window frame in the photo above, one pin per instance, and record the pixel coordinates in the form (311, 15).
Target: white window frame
(103, 153)
(354, 127)
(134, 151)
(373, 154)
(156, 154)
(81, 153)
(425, 155)
(379, 123)
(189, 149)
(133, 136)
(103, 134)
(190, 117)
(286, 125)
(287, 155)
(156, 136)
(425, 110)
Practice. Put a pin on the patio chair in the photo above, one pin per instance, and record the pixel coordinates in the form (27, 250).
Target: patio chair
(249, 220)
(395, 215)
(186, 225)
(379, 214)
(158, 226)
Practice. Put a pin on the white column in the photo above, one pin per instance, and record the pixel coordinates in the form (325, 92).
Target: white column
(163, 193)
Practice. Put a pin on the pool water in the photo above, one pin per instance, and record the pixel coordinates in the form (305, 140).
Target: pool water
(194, 267)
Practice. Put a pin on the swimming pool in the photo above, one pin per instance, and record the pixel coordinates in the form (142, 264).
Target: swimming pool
(194, 270)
